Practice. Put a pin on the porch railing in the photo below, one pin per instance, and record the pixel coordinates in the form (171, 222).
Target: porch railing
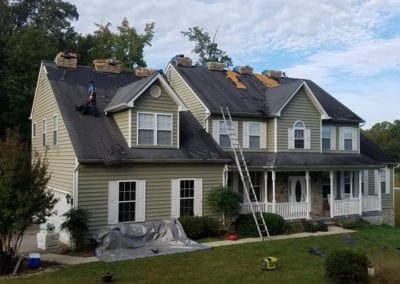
(288, 210)
(346, 207)
(370, 203)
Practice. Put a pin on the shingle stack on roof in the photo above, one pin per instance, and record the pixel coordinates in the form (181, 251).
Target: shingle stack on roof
(144, 72)
(107, 65)
(181, 60)
(216, 66)
(66, 59)
(243, 70)
(272, 73)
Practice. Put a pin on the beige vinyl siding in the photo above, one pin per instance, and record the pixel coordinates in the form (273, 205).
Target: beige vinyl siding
(187, 96)
(162, 104)
(93, 186)
(271, 135)
(337, 126)
(61, 157)
(122, 120)
(240, 120)
(299, 108)
(387, 199)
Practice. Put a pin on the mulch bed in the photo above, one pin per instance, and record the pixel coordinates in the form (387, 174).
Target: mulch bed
(25, 271)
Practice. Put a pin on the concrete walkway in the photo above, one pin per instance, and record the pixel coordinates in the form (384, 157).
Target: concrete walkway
(332, 230)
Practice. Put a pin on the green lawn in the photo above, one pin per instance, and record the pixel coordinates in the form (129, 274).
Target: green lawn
(241, 263)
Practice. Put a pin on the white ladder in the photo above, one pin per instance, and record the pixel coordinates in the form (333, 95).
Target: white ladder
(245, 175)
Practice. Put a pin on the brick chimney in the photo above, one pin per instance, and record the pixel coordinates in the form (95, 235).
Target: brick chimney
(66, 59)
(181, 60)
(107, 65)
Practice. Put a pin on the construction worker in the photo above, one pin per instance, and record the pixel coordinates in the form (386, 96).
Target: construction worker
(91, 99)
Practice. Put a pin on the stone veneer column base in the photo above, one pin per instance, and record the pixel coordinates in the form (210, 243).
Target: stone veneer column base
(388, 216)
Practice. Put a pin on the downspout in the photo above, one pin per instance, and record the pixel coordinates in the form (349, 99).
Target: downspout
(75, 185)
(208, 114)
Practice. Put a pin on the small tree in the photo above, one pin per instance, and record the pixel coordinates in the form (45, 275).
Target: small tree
(75, 223)
(24, 200)
(223, 200)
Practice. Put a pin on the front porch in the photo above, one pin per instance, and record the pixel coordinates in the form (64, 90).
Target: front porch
(308, 194)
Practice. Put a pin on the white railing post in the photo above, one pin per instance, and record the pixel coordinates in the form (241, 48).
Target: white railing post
(273, 192)
(360, 189)
(331, 184)
(308, 194)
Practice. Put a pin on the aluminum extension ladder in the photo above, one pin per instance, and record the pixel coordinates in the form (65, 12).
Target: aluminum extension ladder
(244, 174)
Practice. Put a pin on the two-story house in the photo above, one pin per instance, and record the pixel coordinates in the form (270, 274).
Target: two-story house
(158, 145)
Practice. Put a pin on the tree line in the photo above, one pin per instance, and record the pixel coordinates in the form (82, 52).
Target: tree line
(35, 30)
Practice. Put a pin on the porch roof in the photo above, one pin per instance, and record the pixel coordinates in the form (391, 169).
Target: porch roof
(292, 161)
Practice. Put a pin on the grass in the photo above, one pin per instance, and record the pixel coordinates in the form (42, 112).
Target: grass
(241, 263)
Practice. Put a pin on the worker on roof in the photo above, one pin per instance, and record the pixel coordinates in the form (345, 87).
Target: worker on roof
(91, 101)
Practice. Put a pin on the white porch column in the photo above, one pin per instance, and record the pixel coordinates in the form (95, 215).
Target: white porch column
(225, 176)
(308, 194)
(331, 201)
(266, 186)
(378, 188)
(360, 189)
(273, 192)
(351, 184)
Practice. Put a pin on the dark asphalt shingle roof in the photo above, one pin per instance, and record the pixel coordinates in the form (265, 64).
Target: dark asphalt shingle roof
(98, 139)
(216, 90)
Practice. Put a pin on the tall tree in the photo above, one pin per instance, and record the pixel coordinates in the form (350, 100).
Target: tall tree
(205, 47)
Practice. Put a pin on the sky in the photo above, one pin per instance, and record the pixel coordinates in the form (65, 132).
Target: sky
(350, 48)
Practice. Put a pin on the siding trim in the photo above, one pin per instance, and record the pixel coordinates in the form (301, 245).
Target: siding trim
(37, 87)
(130, 128)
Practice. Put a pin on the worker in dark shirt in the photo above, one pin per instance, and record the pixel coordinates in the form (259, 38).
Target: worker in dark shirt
(91, 101)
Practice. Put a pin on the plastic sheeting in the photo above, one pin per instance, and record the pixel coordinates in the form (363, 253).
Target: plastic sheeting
(138, 240)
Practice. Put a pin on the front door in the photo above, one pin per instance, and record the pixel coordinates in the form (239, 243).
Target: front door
(297, 189)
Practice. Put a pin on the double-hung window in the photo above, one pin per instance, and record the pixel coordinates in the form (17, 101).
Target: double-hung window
(126, 201)
(186, 198)
(347, 183)
(384, 180)
(44, 131)
(224, 140)
(33, 130)
(55, 130)
(299, 135)
(155, 129)
(348, 138)
(326, 137)
(254, 135)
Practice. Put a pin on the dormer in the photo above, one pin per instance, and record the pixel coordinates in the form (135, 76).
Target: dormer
(147, 113)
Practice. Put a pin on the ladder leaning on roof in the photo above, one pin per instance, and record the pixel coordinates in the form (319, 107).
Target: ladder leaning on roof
(244, 174)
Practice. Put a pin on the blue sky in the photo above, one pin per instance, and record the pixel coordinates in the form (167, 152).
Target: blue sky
(350, 48)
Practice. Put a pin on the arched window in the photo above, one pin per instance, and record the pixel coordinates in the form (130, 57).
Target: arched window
(299, 127)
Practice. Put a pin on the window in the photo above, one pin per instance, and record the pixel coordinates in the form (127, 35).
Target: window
(382, 179)
(347, 182)
(126, 201)
(224, 140)
(44, 132)
(362, 173)
(299, 135)
(186, 197)
(348, 138)
(326, 137)
(33, 130)
(154, 129)
(254, 135)
(186, 193)
(55, 130)
(326, 185)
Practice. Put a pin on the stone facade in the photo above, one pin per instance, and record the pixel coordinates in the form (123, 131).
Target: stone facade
(388, 216)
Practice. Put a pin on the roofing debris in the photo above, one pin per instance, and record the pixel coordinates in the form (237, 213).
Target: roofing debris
(268, 82)
(66, 59)
(234, 77)
(107, 65)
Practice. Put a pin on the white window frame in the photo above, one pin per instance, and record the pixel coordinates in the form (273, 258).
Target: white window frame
(246, 125)
(155, 128)
(34, 134)
(384, 176)
(349, 132)
(55, 130)
(216, 129)
(175, 196)
(305, 136)
(354, 138)
(44, 132)
(113, 201)
(330, 137)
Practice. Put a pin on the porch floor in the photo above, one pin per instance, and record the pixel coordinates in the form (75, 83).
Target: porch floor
(332, 230)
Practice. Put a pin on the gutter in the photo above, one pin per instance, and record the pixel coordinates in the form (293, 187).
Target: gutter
(183, 161)
(75, 184)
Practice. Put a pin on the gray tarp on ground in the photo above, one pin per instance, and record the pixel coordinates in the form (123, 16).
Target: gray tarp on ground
(131, 241)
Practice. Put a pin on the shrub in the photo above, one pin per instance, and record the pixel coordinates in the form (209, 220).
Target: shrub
(75, 223)
(294, 227)
(353, 224)
(347, 266)
(246, 226)
(314, 226)
(200, 227)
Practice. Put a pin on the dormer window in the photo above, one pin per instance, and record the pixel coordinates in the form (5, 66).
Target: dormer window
(154, 129)
(299, 136)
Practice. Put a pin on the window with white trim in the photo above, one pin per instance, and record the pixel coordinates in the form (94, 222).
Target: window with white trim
(155, 129)
(348, 138)
(347, 182)
(55, 129)
(33, 130)
(326, 137)
(44, 130)
(254, 135)
(384, 180)
(224, 140)
(186, 197)
(299, 134)
(126, 201)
